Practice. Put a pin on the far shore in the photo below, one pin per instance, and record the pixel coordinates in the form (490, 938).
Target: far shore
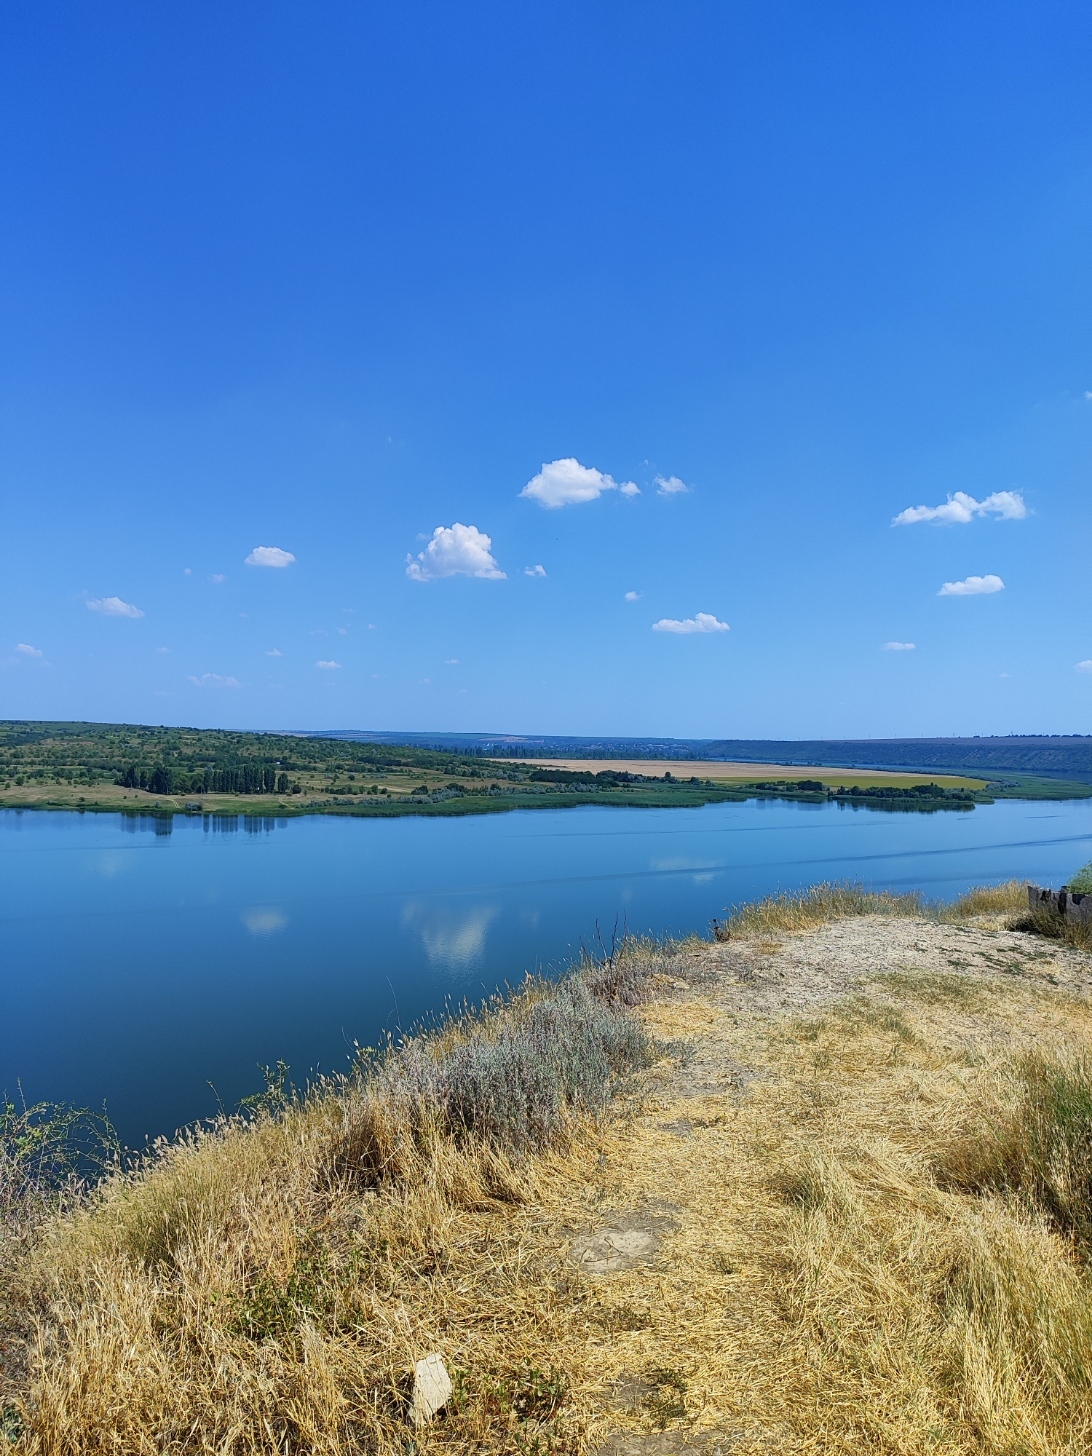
(705, 768)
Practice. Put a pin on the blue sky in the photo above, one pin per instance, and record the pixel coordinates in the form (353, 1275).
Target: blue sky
(680, 303)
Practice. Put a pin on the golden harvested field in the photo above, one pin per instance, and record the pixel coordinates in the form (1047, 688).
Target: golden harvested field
(751, 772)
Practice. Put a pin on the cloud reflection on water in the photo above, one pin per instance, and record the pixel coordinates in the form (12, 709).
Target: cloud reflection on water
(451, 939)
(264, 920)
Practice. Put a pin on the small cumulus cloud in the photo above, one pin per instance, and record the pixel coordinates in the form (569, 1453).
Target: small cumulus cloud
(269, 556)
(214, 680)
(534, 571)
(162, 650)
(343, 631)
(451, 662)
(671, 485)
(327, 665)
(972, 586)
(633, 596)
(1085, 666)
(900, 646)
(960, 508)
(113, 607)
(456, 550)
(700, 622)
(187, 571)
(218, 578)
(568, 483)
(27, 650)
(273, 652)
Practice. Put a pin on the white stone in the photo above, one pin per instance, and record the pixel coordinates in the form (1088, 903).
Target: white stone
(431, 1389)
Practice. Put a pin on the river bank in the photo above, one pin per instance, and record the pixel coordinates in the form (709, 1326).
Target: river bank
(770, 1238)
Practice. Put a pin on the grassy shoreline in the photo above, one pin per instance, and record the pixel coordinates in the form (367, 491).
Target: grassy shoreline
(861, 1180)
(119, 768)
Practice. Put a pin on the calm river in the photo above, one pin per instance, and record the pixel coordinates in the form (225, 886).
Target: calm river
(154, 965)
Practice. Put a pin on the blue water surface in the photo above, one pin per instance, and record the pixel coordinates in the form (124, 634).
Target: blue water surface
(154, 964)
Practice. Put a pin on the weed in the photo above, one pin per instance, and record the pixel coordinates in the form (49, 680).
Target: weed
(668, 1402)
(624, 1318)
(1042, 1147)
(1048, 923)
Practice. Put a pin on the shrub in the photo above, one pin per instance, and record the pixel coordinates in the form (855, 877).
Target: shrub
(1042, 1148)
(512, 1081)
(1047, 922)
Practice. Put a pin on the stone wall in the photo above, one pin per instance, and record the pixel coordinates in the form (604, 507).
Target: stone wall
(1073, 905)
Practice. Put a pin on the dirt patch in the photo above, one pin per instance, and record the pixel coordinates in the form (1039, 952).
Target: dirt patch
(624, 1241)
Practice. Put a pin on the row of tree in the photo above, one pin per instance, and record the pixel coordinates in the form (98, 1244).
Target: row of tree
(250, 778)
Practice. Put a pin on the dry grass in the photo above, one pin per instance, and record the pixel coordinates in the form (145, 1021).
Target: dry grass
(1005, 899)
(267, 1285)
(878, 1245)
(832, 1287)
(1052, 926)
(794, 911)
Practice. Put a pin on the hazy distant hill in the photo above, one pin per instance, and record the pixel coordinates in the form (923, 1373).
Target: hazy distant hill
(1063, 757)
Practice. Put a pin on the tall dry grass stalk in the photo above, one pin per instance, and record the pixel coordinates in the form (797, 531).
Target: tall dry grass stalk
(796, 910)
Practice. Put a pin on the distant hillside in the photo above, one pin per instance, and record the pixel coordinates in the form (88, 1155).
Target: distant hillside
(1069, 757)
(1059, 757)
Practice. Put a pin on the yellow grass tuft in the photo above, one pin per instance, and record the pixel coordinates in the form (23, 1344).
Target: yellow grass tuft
(1005, 899)
(798, 910)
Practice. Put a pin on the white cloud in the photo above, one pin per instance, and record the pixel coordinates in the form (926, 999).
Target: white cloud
(456, 550)
(451, 662)
(162, 650)
(701, 622)
(671, 485)
(1085, 666)
(327, 666)
(273, 652)
(218, 578)
(958, 509)
(214, 680)
(899, 646)
(28, 651)
(269, 556)
(633, 596)
(568, 483)
(113, 607)
(972, 586)
(534, 571)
